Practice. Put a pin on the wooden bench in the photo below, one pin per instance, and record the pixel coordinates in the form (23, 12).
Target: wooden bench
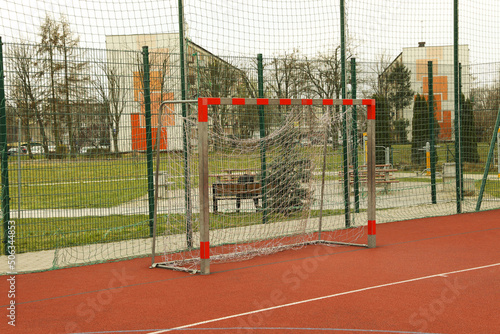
(232, 175)
(384, 176)
(244, 188)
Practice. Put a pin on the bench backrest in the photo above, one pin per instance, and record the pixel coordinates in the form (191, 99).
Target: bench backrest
(233, 189)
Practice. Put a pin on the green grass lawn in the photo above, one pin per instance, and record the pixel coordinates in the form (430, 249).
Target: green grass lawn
(51, 233)
(491, 188)
(88, 183)
(100, 183)
(73, 184)
(401, 155)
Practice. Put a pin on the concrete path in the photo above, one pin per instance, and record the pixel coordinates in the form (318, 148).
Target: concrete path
(417, 193)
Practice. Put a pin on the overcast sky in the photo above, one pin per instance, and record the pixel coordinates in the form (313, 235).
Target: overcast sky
(248, 27)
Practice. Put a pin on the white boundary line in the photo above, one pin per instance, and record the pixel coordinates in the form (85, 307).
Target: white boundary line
(325, 297)
(82, 182)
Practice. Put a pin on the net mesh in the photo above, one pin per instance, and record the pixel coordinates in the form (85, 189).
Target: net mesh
(267, 194)
(81, 189)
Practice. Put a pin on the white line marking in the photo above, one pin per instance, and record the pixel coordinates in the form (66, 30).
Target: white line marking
(80, 182)
(324, 297)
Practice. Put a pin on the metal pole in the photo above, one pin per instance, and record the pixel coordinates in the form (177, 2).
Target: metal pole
(5, 157)
(149, 139)
(347, 205)
(262, 126)
(19, 170)
(365, 148)
(488, 162)
(158, 135)
(203, 188)
(323, 173)
(461, 139)
(185, 132)
(371, 177)
(431, 133)
(355, 136)
(157, 173)
(458, 169)
(428, 158)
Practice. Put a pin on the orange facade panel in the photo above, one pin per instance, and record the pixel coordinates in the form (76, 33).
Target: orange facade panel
(155, 83)
(440, 86)
(167, 118)
(423, 70)
(139, 142)
(446, 126)
(443, 117)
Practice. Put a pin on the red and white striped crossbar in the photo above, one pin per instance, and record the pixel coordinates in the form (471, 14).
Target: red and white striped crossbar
(204, 102)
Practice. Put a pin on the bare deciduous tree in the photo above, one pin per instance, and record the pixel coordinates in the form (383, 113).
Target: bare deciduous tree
(60, 66)
(111, 87)
(27, 94)
(48, 67)
(486, 108)
(74, 76)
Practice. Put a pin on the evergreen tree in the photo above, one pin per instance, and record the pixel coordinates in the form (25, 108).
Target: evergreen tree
(286, 173)
(382, 127)
(420, 130)
(400, 135)
(468, 129)
(400, 93)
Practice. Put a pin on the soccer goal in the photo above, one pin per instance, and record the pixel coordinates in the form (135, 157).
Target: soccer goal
(268, 175)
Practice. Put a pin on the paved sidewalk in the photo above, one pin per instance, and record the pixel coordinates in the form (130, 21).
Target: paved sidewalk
(174, 202)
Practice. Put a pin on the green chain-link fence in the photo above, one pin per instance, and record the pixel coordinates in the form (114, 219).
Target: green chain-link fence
(80, 112)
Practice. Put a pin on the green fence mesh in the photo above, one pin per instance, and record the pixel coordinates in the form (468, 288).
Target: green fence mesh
(77, 174)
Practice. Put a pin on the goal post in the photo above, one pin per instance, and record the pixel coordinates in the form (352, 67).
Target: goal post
(294, 176)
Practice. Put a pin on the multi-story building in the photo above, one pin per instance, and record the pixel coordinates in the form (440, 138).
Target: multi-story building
(165, 84)
(416, 60)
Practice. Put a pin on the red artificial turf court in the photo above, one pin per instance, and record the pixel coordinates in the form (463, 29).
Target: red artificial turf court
(436, 275)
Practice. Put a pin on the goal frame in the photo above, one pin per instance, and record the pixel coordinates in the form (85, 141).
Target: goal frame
(203, 150)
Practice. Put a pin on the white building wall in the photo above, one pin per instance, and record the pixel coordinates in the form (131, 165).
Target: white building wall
(163, 49)
(416, 60)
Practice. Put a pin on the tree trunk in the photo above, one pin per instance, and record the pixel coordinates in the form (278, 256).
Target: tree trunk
(114, 134)
(45, 142)
(28, 138)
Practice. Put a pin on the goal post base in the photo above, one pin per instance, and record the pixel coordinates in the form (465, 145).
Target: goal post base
(372, 241)
(204, 268)
(171, 266)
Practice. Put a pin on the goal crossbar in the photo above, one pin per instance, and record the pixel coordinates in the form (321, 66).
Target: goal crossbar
(203, 104)
(263, 101)
(203, 152)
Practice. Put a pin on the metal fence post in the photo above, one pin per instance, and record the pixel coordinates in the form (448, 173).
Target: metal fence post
(262, 127)
(149, 140)
(488, 162)
(431, 133)
(345, 153)
(355, 137)
(5, 157)
(458, 164)
(186, 131)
